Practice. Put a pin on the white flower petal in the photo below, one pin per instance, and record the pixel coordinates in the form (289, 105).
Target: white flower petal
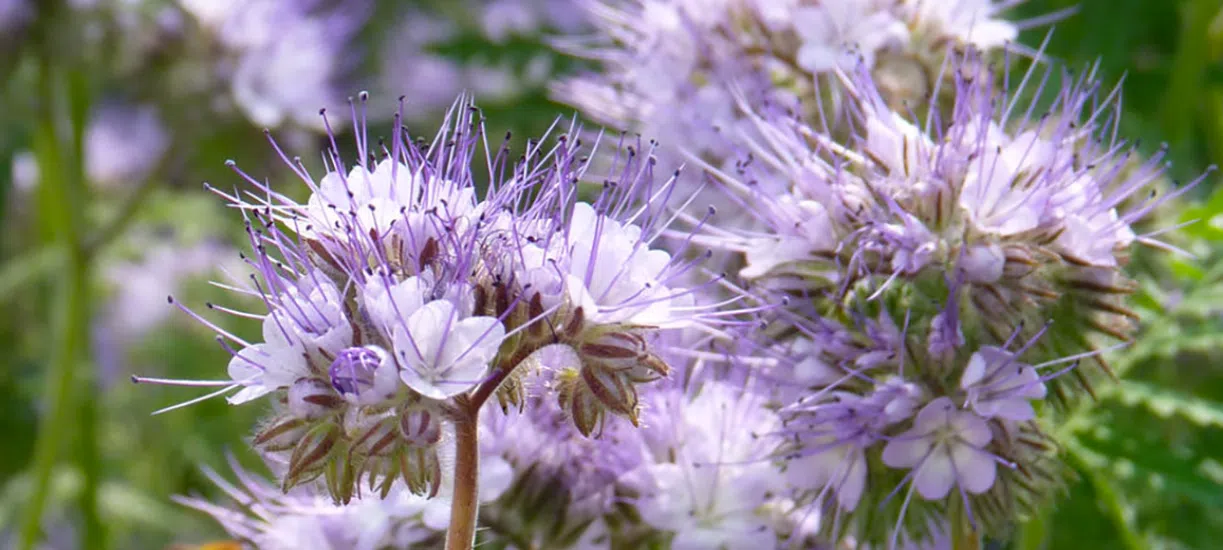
(935, 476)
(975, 470)
(907, 450)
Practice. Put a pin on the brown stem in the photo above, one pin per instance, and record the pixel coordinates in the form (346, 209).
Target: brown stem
(465, 506)
(486, 388)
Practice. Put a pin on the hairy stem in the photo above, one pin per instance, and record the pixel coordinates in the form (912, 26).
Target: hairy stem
(465, 506)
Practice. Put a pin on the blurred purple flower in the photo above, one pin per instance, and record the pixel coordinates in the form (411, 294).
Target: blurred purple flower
(123, 144)
(286, 57)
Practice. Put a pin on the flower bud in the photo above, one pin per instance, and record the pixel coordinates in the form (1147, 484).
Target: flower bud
(376, 438)
(364, 375)
(613, 389)
(579, 402)
(421, 470)
(903, 80)
(281, 434)
(1019, 262)
(983, 263)
(382, 472)
(340, 475)
(311, 454)
(311, 398)
(513, 391)
(626, 353)
(420, 427)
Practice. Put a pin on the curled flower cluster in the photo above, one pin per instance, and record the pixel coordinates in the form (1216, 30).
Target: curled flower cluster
(948, 242)
(399, 301)
(940, 275)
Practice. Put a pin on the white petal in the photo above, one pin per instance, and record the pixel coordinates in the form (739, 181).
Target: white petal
(975, 469)
(819, 58)
(974, 372)
(389, 305)
(971, 428)
(582, 224)
(246, 367)
(246, 394)
(449, 356)
(907, 450)
(935, 476)
(473, 339)
(850, 490)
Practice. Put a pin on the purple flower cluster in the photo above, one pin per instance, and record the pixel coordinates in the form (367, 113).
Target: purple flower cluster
(676, 70)
(948, 237)
(924, 245)
(942, 272)
(398, 300)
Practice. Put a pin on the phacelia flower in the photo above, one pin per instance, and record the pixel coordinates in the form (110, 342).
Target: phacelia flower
(711, 481)
(267, 518)
(1020, 217)
(945, 448)
(998, 385)
(682, 72)
(397, 296)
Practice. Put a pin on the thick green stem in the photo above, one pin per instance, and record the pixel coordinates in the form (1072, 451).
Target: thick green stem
(61, 202)
(71, 321)
(465, 506)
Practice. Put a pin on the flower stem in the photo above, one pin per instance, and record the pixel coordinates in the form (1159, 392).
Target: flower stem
(465, 506)
(61, 209)
(58, 143)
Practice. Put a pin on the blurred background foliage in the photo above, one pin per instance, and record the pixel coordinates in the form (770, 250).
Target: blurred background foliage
(104, 216)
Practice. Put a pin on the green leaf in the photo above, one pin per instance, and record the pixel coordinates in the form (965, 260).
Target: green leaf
(1164, 403)
(1165, 472)
(1111, 501)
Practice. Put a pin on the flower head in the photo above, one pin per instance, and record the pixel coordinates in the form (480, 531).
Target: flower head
(690, 73)
(397, 297)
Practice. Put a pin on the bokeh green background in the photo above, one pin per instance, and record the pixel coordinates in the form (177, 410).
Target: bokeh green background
(1149, 454)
